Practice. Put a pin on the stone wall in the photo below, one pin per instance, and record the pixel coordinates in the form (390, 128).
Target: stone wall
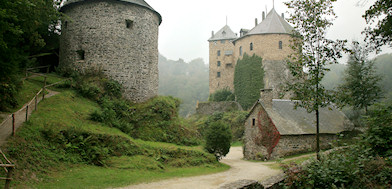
(209, 108)
(226, 67)
(118, 38)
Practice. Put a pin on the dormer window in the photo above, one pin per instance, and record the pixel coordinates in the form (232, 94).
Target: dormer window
(224, 33)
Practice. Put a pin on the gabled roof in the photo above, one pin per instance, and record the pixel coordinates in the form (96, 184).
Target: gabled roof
(290, 121)
(272, 24)
(136, 2)
(223, 34)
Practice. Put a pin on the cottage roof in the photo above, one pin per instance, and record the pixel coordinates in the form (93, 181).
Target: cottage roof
(290, 121)
(223, 34)
(136, 2)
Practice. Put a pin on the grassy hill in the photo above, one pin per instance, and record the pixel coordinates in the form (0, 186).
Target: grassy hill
(61, 145)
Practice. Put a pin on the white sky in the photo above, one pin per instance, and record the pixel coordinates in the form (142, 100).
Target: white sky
(187, 24)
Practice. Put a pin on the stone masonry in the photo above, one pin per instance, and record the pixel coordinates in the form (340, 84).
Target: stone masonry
(117, 37)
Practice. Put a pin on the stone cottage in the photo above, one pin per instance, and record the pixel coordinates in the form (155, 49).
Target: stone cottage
(116, 37)
(273, 128)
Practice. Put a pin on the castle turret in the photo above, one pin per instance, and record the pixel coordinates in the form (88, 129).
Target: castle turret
(222, 60)
(116, 37)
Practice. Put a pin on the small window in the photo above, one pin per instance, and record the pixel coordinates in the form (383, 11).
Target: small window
(80, 54)
(253, 122)
(219, 63)
(240, 51)
(129, 24)
(218, 53)
(280, 45)
(218, 74)
(251, 46)
(223, 41)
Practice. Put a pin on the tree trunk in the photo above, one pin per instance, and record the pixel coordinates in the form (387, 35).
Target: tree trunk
(317, 134)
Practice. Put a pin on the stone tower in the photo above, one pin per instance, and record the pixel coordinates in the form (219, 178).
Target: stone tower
(222, 60)
(270, 40)
(117, 37)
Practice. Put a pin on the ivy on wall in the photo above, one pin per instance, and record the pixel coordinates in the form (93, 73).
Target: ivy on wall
(248, 80)
(269, 135)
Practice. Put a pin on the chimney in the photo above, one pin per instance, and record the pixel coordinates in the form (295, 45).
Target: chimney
(212, 34)
(283, 15)
(256, 22)
(263, 17)
(266, 97)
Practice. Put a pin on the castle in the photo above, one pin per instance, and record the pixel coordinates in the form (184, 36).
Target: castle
(117, 37)
(269, 39)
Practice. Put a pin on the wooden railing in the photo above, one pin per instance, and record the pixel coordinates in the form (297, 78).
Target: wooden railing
(8, 167)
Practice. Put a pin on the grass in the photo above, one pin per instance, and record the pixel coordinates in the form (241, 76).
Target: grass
(297, 159)
(100, 177)
(43, 163)
(237, 144)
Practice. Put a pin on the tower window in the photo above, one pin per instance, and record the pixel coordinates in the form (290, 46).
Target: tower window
(219, 53)
(251, 46)
(240, 51)
(80, 54)
(219, 63)
(280, 44)
(223, 41)
(218, 74)
(129, 23)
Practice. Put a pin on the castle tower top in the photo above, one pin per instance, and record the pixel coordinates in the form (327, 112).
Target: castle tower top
(223, 34)
(136, 2)
(272, 24)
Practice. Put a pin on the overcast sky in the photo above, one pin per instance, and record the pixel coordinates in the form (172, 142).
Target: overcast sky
(187, 24)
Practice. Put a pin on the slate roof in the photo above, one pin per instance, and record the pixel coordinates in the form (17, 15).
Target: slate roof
(137, 2)
(272, 24)
(290, 121)
(224, 34)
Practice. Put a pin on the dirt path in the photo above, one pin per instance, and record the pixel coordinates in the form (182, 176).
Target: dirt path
(20, 118)
(239, 170)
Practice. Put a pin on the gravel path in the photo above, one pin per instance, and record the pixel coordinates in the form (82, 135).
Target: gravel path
(239, 170)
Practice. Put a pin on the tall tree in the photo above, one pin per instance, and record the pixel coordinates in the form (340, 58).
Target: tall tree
(381, 33)
(361, 83)
(312, 53)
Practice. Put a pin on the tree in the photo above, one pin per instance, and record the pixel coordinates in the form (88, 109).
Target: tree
(248, 80)
(221, 95)
(312, 52)
(361, 83)
(379, 12)
(218, 139)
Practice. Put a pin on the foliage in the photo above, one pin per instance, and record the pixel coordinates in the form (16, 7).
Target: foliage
(247, 84)
(186, 81)
(218, 139)
(26, 28)
(378, 136)
(360, 88)
(353, 167)
(269, 134)
(312, 51)
(381, 33)
(221, 95)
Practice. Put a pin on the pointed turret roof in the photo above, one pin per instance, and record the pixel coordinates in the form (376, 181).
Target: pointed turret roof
(272, 24)
(224, 34)
(136, 2)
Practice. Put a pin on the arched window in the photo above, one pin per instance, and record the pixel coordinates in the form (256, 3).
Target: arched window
(251, 46)
(280, 45)
(241, 51)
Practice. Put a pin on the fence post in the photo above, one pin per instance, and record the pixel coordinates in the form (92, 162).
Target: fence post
(13, 124)
(43, 91)
(36, 96)
(9, 175)
(27, 112)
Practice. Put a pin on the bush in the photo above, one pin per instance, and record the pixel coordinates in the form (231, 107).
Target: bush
(221, 95)
(218, 139)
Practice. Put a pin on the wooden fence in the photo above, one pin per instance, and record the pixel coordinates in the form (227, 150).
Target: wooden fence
(8, 167)
(12, 122)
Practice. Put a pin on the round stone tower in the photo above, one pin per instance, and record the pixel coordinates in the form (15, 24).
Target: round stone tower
(116, 37)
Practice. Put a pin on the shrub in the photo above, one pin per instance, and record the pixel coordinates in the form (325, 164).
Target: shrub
(218, 139)
(221, 95)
